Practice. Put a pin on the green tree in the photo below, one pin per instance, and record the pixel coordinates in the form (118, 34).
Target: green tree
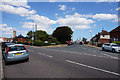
(84, 40)
(41, 35)
(29, 35)
(52, 39)
(63, 33)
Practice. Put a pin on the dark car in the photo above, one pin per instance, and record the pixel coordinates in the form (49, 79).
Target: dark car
(3, 45)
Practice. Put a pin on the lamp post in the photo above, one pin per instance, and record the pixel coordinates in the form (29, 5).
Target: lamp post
(32, 31)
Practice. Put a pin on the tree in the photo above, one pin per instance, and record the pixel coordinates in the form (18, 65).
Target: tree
(63, 33)
(84, 40)
(41, 35)
(29, 35)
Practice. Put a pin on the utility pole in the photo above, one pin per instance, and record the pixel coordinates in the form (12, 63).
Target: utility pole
(36, 32)
(32, 32)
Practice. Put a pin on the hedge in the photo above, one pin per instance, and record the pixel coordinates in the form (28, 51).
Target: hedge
(117, 42)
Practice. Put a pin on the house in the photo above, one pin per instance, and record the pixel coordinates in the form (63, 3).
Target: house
(95, 38)
(4, 39)
(20, 38)
(104, 37)
(115, 34)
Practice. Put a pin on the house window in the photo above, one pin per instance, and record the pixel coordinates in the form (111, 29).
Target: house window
(115, 39)
(103, 35)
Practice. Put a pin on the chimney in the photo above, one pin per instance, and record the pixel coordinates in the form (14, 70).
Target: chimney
(14, 34)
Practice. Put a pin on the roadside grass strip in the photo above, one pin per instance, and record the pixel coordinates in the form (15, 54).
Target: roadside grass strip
(91, 67)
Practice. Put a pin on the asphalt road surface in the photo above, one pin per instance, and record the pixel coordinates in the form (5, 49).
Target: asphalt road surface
(76, 61)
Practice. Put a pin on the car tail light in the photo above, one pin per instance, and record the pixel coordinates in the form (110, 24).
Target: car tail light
(26, 49)
(7, 50)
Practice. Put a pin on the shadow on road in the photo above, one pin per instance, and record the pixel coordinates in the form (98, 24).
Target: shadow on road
(110, 51)
(16, 62)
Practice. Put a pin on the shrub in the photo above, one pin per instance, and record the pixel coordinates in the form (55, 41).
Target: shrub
(117, 42)
(53, 40)
(38, 43)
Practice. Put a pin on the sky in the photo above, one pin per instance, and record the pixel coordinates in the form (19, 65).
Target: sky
(85, 18)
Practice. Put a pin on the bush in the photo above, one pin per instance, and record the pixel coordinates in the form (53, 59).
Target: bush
(117, 42)
(19, 42)
(38, 43)
(86, 42)
(53, 40)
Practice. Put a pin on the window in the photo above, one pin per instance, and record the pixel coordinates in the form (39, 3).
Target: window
(107, 44)
(115, 39)
(103, 35)
(16, 48)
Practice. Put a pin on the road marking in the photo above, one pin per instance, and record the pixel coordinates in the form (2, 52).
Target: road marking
(109, 56)
(84, 48)
(94, 51)
(83, 54)
(91, 67)
(45, 55)
(30, 50)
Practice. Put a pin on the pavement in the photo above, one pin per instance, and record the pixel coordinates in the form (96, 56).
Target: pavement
(62, 45)
(1, 65)
(75, 61)
(92, 46)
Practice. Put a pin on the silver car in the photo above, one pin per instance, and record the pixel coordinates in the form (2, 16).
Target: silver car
(15, 52)
(111, 47)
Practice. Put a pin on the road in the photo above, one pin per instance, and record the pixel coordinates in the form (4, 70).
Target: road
(76, 61)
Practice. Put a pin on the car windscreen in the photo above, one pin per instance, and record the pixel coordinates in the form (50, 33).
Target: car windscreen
(116, 45)
(16, 48)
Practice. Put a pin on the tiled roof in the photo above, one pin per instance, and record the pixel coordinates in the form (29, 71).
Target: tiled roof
(104, 32)
(116, 29)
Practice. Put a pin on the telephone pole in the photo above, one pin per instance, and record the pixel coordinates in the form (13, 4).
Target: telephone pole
(36, 32)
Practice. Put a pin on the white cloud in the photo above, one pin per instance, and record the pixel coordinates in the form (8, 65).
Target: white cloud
(75, 21)
(108, 0)
(105, 16)
(52, 0)
(118, 8)
(71, 10)
(7, 30)
(2, 25)
(62, 7)
(28, 25)
(43, 23)
(20, 3)
(16, 10)
(70, 0)
(94, 25)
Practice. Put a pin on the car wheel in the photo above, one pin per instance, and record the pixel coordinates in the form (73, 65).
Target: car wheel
(6, 63)
(103, 49)
(113, 50)
(27, 59)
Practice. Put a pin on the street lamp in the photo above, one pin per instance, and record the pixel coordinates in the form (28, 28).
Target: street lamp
(32, 31)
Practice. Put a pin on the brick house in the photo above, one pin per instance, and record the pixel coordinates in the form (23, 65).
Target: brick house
(95, 38)
(115, 34)
(20, 38)
(103, 37)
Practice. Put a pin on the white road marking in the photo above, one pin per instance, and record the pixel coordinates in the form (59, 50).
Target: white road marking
(83, 53)
(94, 51)
(45, 55)
(109, 56)
(93, 68)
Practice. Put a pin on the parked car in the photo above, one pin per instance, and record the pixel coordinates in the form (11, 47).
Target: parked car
(111, 47)
(3, 45)
(70, 43)
(15, 52)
